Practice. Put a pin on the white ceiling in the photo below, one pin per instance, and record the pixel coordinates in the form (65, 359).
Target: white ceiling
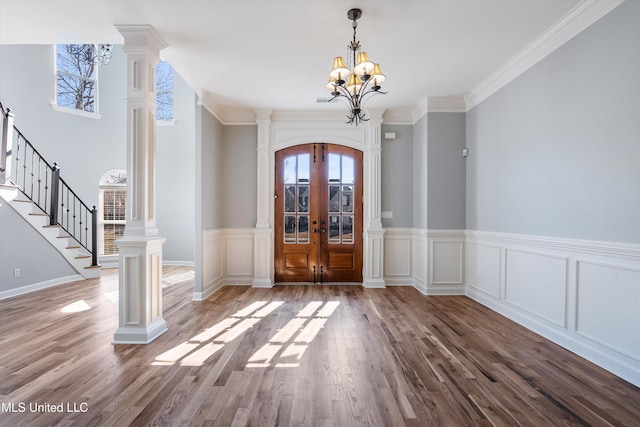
(277, 54)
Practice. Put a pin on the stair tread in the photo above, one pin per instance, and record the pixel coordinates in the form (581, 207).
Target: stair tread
(72, 247)
(93, 266)
(38, 214)
(23, 201)
(82, 256)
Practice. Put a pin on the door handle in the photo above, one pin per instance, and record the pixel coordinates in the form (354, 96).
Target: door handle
(314, 230)
(322, 230)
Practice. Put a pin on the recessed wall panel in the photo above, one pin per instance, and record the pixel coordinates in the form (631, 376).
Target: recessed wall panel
(446, 262)
(484, 266)
(397, 256)
(537, 283)
(239, 256)
(608, 306)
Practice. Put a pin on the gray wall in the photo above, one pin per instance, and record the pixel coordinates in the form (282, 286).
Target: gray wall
(175, 177)
(446, 171)
(239, 177)
(17, 240)
(556, 152)
(210, 161)
(420, 145)
(397, 177)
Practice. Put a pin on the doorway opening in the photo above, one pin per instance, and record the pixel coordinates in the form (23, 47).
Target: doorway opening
(318, 214)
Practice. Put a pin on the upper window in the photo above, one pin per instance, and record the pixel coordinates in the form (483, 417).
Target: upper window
(77, 77)
(164, 92)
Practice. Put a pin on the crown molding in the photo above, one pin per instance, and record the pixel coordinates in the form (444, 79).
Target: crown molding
(420, 110)
(447, 104)
(398, 116)
(580, 17)
(225, 116)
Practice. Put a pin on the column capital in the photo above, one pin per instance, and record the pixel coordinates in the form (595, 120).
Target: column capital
(263, 116)
(140, 38)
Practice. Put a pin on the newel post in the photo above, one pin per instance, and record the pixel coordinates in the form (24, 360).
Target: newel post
(55, 191)
(7, 146)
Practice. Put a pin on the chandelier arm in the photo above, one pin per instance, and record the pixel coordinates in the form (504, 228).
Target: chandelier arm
(345, 99)
(372, 92)
(343, 92)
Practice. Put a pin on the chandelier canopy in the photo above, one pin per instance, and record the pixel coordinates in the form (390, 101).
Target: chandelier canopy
(356, 80)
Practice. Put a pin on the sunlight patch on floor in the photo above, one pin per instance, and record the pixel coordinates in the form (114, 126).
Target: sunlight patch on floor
(305, 325)
(76, 307)
(285, 348)
(174, 279)
(202, 346)
(112, 296)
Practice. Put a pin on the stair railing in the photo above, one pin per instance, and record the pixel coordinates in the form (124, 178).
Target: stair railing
(21, 165)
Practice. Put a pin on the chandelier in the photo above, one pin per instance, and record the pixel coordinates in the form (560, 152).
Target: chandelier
(357, 80)
(99, 54)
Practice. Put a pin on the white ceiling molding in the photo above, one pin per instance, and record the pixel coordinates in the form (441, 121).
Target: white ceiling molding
(447, 104)
(579, 18)
(226, 117)
(333, 116)
(398, 116)
(420, 110)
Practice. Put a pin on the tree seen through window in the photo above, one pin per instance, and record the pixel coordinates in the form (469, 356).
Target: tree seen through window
(164, 91)
(76, 77)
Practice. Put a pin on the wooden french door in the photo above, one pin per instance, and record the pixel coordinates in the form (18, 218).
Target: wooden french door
(318, 214)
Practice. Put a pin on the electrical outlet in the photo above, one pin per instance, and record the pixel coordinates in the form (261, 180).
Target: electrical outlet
(16, 272)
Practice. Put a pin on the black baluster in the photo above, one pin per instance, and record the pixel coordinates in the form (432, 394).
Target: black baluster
(68, 210)
(74, 210)
(94, 237)
(55, 185)
(32, 174)
(39, 178)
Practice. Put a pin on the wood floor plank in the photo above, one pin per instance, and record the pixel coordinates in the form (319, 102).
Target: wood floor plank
(303, 355)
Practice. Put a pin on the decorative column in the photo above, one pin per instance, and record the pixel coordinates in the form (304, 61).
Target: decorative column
(140, 248)
(263, 234)
(373, 232)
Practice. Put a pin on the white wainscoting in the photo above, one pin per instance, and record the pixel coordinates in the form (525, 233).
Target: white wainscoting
(430, 260)
(583, 295)
(446, 262)
(227, 256)
(238, 256)
(398, 256)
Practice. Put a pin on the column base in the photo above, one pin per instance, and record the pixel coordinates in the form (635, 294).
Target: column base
(140, 334)
(262, 283)
(374, 283)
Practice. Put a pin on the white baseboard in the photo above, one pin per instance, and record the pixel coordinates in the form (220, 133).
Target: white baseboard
(39, 286)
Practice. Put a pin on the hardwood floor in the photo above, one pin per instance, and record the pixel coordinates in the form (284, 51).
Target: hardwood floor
(292, 356)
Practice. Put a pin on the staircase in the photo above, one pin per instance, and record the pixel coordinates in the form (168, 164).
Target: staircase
(34, 189)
